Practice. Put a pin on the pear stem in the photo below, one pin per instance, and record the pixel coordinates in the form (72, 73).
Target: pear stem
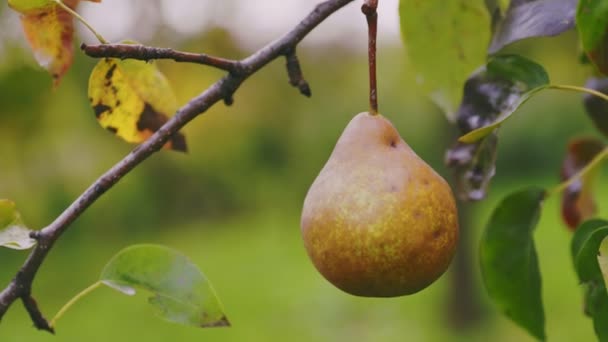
(369, 8)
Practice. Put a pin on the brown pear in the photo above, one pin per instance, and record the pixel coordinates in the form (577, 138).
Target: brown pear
(378, 221)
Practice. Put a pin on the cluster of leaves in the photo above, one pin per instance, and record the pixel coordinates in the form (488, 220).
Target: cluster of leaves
(132, 99)
(491, 94)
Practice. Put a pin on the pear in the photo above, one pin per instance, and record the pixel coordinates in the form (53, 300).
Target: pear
(378, 221)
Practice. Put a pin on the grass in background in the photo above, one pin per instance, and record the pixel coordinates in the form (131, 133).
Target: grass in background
(271, 291)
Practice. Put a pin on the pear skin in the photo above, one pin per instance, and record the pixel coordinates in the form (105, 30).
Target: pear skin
(378, 221)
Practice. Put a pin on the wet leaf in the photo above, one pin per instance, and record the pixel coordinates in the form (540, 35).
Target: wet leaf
(509, 262)
(536, 18)
(587, 252)
(592, 24)
(474, 165)
(597, 108)
(181, 293)
(578, 204)
(494, 92)
(459, 31)
(132, 99)
(13, 233)
(49, 30)
(491, 94)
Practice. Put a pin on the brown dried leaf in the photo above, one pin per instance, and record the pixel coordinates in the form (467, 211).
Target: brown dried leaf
(578, 204)
(49, 30)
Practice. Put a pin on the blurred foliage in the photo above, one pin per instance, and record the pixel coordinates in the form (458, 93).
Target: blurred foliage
(232, 204)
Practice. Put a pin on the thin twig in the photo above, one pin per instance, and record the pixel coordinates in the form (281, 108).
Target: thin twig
(35, 314)
(294, 71)
(223, 89)
(147, 53)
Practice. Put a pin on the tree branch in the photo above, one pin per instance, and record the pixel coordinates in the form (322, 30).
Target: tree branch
(20, 286)
(147, 53)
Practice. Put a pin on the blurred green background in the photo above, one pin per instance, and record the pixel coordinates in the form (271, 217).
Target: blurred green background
(232, 203)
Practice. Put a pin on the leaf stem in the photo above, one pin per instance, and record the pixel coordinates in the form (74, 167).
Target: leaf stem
(481, 132)
(589, 167)
(579, 89)
(72, 301)
(75, 14)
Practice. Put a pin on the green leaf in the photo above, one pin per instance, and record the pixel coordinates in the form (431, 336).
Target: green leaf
(459, 31)
(596, 306)
(602, 259)
(13, 233)
(578, 203)
(585, 246)
(495, 92)
(587, 252)
(592, 24)
(509, 263)
(181, 293)
(536, 18)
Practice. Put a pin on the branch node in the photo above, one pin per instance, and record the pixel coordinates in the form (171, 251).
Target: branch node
(35, 235)
(294, 71)
(230, 84)
(369, 7)
(238, 69)
(229, 100)
(367, 10)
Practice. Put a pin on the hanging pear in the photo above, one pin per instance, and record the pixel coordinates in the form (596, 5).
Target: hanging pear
(378, 221)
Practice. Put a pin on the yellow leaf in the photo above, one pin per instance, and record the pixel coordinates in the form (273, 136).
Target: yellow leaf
(49, 33)
(49, 30)
(132, 99)
(25, 6)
